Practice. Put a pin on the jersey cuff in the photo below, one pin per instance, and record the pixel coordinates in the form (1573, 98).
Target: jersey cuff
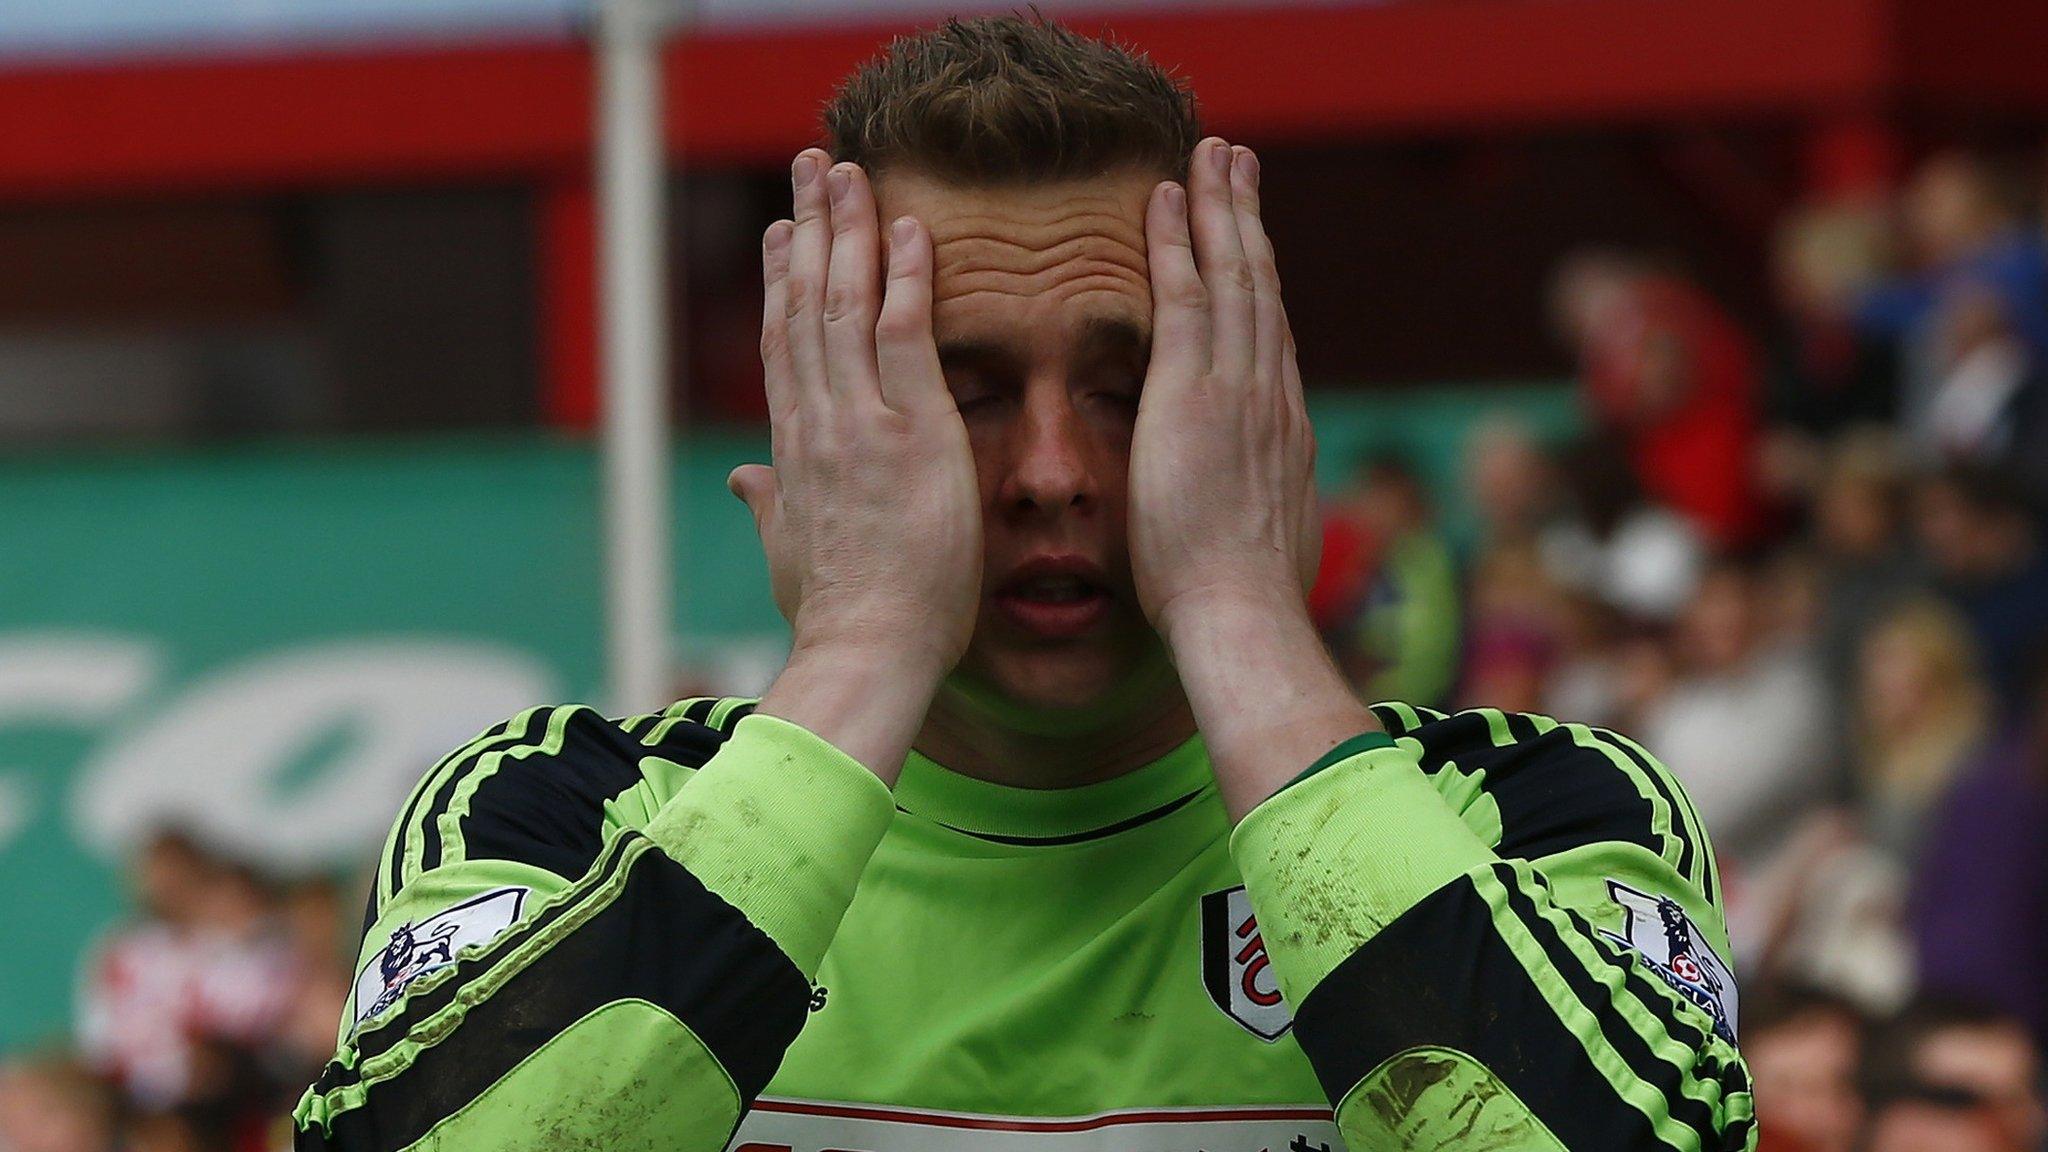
(780, 824)
(1363, 742)
(1338, 855)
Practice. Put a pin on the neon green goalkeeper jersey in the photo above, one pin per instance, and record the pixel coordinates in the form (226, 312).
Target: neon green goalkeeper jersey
(706, 929)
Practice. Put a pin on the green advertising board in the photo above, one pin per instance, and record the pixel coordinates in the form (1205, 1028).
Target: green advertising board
(269, 644)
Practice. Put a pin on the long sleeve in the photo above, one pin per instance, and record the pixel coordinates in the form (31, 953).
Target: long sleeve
(1500, 931)
(595, 934)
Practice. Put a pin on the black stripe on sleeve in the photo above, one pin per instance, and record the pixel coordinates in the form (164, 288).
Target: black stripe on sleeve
(666, 939)
(1685, 823)
(640, 725)
(548, 811)
(1440, 975)
(1521, 725)
(1667, 1078)
(437, 991)
(430, 818)
(394, 868)
(1555, 794)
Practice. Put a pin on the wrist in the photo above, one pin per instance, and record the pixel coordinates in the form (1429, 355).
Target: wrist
(1267, 697)
(1226, 605)
(866, 699)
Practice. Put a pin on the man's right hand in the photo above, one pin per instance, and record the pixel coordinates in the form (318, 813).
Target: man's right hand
(870, 516)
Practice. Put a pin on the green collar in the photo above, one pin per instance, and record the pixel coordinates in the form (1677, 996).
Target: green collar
(1052, 814)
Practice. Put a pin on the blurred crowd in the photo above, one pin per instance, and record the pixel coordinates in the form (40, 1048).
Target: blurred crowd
(199, 1020)
(1805, 564)
(1803, 560)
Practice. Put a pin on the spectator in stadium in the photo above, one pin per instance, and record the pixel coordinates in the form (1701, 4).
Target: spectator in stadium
(1918, 1118)
(1675, 380)
(1984, 397)
(170, 1131)
(169, 1003)
(1615, 545)
(315, 922)
(1403, 642)
(1735, 678)
(1979, 905)
(129, 1023)
(1513, 635)
(1866, 565)
(1982, 537)
(1511, 482)
(1977, 1066)
(51, 1103)
(1831, 374)
(1962, 231)
(1805, 1050)
(1922, 712)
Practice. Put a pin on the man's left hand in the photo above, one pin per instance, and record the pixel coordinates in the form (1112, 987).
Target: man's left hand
(1222, 459)
(1224, 531)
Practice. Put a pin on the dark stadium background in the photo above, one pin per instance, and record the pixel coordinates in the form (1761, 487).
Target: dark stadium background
(300, 478)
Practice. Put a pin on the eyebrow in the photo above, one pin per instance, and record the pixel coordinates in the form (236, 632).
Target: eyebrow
(1098, 334)
(973, 353)
(1114, 333)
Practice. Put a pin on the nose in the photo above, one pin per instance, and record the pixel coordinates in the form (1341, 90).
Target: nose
(1050, 470)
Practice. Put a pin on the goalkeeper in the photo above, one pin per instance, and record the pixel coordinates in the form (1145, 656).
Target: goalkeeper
(1058, 830)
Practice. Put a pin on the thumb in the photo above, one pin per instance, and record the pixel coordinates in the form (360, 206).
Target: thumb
(756, 487)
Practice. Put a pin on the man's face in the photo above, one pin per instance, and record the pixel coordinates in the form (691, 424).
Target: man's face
(1042, 311)
(1997, 1063)
(1805, 1072)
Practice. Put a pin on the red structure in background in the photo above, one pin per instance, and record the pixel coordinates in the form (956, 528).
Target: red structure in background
(523, 112)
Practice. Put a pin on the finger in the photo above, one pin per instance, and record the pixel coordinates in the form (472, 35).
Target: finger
(1180, 301)
(1269, 317)
(853, 283)
(810, 250)
(755, 485)
(912, 380)
(775, 366)
(1290, 372)
(1219, 256)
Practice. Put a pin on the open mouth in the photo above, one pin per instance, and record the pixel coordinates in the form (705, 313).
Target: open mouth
(1055, 599)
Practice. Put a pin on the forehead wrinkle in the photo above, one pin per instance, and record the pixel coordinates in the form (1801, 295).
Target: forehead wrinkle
(1107, 272)
(1008, 256)
(1031, 268)
(989, 319)
(1066, 289)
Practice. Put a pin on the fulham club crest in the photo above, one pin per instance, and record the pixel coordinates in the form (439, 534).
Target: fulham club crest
(1235, 969)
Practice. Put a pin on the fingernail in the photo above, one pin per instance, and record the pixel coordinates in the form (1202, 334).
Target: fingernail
(1176, 198)
(837, 181)
(902, 232)
(1248, 162)
(804, 170)
(1219, 158)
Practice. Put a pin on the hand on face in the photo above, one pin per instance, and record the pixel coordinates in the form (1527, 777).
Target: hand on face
(870, 516)
(1222, 459)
